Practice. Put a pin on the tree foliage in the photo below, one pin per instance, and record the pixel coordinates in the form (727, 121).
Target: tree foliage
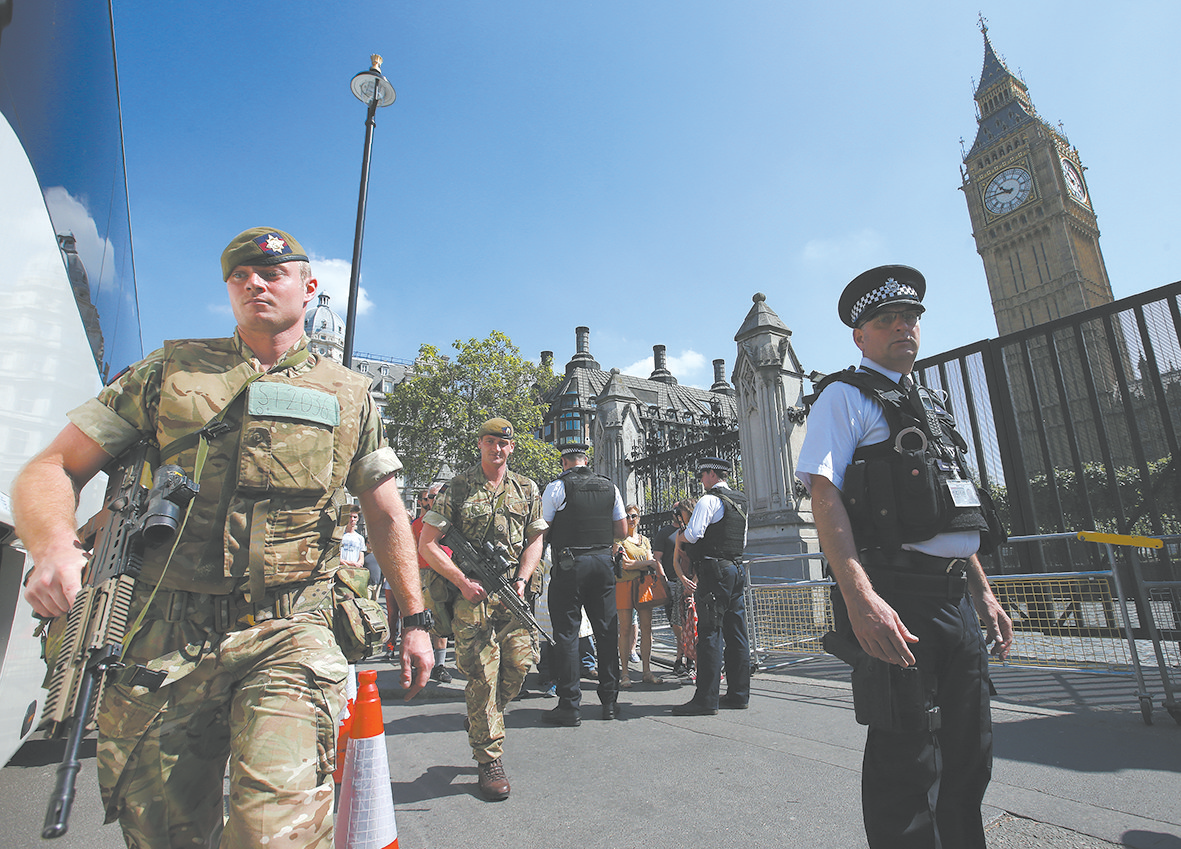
(434, 414)
(1073, 492)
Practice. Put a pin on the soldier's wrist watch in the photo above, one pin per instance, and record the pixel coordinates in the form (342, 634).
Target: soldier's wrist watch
(424, 620)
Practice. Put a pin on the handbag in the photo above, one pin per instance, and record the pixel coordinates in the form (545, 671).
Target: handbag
(649, 591)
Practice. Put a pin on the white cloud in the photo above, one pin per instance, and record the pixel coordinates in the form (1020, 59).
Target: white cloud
(333, 275)
(71, 217)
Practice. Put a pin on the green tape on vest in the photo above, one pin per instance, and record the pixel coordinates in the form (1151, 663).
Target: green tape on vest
(281, 400)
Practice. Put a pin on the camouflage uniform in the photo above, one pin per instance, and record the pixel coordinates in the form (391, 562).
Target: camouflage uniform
(242, 622)
(495, 669)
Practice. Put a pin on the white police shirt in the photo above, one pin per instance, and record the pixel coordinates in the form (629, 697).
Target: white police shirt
(709, 509)
(553, 499)
(844, 419)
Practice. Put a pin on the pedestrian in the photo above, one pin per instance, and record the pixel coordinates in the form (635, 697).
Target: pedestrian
(489, 502)
(585, 513)
(663, 549)
(636, 562)
(900, 523)
(352, 544)
(716, 534)
(240, 611)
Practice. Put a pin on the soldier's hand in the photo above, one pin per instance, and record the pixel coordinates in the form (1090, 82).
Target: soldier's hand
(473, 591)
(418, 658)
(55, 580)
(880, 630)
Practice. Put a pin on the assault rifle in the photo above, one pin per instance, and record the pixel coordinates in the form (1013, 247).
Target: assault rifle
(139, 512)
(491, 568)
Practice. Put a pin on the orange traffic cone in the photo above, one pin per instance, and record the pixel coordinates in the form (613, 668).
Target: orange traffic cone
(344, 723)
(365, 818)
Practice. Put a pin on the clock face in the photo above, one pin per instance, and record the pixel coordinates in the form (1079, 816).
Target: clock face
(1007, 190)
(1074, 181)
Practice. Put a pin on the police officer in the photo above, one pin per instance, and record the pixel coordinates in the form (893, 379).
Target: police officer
(240, 615)
(716, 534)
(488, 502)
(900, 523)
(586, 514)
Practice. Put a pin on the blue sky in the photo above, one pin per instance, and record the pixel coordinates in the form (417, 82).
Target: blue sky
(642, 168)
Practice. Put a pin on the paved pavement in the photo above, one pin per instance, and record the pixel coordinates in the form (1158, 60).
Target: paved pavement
(1075, 767)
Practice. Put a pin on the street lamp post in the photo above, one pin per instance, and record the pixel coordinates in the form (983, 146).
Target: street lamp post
(372, 88)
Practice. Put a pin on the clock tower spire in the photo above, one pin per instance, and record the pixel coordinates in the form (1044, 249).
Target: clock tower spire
(1031, 212)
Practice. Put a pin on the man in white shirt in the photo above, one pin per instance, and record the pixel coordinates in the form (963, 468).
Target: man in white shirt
(900, 522)
(716, 538)
(352, 544)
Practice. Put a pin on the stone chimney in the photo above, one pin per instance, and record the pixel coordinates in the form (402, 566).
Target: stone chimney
(582, 357)
(661, 373)
(547, 360)
(720, 385)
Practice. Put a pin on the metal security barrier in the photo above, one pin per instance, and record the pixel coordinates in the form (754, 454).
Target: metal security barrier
(785, 620)
(1090, 620)
(1071, 620)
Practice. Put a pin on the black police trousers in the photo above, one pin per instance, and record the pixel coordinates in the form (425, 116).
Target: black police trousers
(721, 621)
(924, 789)
(590, 583)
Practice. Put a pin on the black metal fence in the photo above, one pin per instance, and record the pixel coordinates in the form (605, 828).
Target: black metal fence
(1074, 424)
(668, 474)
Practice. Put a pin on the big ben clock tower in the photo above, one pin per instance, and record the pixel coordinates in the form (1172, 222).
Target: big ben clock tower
(1032, 217)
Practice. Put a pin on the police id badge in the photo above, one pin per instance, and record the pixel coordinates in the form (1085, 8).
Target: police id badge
(963, 493)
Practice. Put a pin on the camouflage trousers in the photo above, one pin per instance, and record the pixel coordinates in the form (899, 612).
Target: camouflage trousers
(495, 669)
(264, 698)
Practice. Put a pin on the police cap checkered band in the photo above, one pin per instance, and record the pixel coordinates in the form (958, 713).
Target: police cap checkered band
(574, 448)
(260, 246)
(887, 284)
(715, 463)
(496, 427)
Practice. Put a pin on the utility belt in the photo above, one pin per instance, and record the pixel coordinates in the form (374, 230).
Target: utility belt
(567, 555)
(233, 612)
(713, 566)
(358, 622)
(906, 572)
(586, 549)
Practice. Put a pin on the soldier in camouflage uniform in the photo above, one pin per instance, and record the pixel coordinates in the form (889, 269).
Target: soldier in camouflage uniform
(250, 616)
(494, 651)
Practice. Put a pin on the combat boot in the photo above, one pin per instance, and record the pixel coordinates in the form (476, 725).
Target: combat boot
(493, 782)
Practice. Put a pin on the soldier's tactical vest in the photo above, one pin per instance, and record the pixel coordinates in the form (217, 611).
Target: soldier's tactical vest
(913, 485)
(272, 483)
(725, 539)
(585, 521)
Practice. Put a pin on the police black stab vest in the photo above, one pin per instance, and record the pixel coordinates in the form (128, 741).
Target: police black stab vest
(726, 538)
(585, 521)
(900, 490)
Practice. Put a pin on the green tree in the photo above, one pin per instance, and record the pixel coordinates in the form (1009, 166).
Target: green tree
(434, 414)
(1164, 493)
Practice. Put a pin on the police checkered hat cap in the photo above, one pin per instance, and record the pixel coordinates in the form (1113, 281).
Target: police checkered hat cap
(574, 448)
(715, 463)
(496, 427)
(879, 287)
(260, 246)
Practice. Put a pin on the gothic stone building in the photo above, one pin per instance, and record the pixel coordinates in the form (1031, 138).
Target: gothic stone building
(626, 418)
